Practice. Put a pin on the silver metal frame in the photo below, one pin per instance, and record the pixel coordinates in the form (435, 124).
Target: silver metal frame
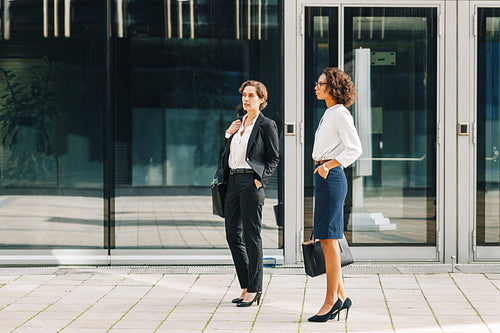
(477, 253)
(294, 68)
(100, 257)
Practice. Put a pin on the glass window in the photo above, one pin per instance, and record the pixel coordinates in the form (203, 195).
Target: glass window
(391, 55)
(51, 110)
(178, 67)
(321, 51)
(488, 129)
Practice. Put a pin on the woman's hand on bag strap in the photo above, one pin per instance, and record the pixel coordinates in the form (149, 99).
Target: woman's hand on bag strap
(235, 126)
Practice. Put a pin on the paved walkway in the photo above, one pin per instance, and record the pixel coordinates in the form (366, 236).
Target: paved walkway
(386, 298)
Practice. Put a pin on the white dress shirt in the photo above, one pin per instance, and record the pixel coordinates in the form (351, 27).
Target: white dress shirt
(336, 137)
(238, 150)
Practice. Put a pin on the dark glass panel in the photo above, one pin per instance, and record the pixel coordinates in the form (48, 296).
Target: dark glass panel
(179, 65)
(321, 51)
(51, 107)
(488, 127)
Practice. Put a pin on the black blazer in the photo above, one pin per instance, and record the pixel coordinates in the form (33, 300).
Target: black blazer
(262, 149)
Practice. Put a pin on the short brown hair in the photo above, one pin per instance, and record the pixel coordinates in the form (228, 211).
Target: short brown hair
(260, 88)
(340, 85)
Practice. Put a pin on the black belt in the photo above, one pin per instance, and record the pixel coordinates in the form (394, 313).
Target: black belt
(235, 171)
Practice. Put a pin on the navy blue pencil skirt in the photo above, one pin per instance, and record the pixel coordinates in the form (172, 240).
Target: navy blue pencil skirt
(329, 199)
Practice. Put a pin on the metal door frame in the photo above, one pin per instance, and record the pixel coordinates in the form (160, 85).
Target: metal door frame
(476, 253)
(294, 89)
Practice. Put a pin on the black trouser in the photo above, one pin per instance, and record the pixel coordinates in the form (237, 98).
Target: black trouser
(243, 211)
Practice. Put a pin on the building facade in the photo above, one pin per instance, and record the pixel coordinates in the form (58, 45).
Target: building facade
(112, 119)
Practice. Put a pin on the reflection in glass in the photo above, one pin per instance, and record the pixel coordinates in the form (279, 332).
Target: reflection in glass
(51, 106)
(179, 65)
(321, 50)
(391, 55)
(488, 131)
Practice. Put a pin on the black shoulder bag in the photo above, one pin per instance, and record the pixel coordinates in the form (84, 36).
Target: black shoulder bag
(218, 193)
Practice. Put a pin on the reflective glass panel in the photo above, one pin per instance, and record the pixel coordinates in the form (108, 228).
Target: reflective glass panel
(52, 61)
(488, 127)
(391, 55)
(179, 65)
(321, 50)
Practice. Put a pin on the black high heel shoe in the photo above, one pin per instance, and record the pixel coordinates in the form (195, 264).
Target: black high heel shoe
(329, 315)
(236, 300)
(245, 304)
(347, 305)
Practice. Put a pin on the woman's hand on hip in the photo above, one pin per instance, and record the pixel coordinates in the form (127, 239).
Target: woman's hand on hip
(235, 126)
(257, 184)
(322, 172)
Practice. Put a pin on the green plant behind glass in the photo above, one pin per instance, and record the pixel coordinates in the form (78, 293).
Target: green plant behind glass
(28, 115)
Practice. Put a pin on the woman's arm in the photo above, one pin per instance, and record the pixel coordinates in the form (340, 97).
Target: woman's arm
(350, 139)
(271, 144)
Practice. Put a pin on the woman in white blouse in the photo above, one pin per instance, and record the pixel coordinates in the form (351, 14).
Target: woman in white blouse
(336, 146)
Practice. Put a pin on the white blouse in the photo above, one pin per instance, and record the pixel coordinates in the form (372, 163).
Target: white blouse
(336, 137)
(238, 149)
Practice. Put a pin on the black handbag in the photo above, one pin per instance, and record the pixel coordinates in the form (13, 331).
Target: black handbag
(345, 252)
(218, 194)
(314, 260)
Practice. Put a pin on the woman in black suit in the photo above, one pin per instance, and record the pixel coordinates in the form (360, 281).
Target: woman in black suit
(250, 158)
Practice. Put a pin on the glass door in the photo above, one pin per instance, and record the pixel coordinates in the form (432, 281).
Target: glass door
(487, 235)
(391, 54)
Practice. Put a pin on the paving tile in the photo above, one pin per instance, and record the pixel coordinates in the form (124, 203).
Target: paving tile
(83, 330)
(276, 327)
(92, 323)
(188, 325)
(190, 305)
(48, 323)
(137, 324)
(369, 327)
(230, 325)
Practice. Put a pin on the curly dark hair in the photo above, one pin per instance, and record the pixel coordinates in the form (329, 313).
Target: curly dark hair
(340, 86)
(260, 88)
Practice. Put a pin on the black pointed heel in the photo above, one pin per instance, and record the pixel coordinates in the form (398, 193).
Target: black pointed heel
(236, 300)
(347, 305)
(329, 315)
(245, 304)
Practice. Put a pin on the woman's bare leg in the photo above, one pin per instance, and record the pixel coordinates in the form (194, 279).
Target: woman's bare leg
(341, 290)
(334, 284)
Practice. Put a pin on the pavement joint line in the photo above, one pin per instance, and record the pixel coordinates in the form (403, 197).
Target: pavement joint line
(386, 303)
(138, 232)
(218, 304)
(345, 320)
(303, 302)
(48, 306)
(473, 307)
(494, 285)
(90, 306)
(40, 285)
(157, 225)
(176, 305)
(180, 234)
(260, 305)
(133, 305)
(428, 303)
